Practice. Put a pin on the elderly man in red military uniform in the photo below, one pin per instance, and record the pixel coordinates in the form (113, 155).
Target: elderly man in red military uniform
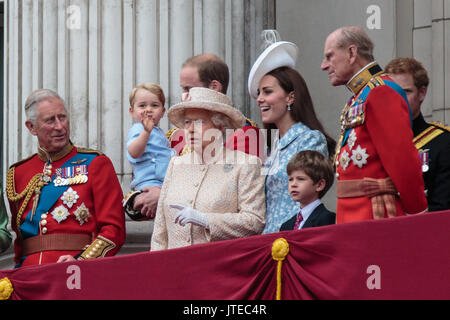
(65, 201)
(377, 166)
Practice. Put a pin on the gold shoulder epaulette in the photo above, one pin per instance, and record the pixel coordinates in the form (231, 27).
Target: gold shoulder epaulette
(441, 126)
(169, 134)
(252, 123)
(21, 161)
(375, 82)
(86, 150)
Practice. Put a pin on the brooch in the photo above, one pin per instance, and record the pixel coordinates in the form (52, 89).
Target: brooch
(227, 167)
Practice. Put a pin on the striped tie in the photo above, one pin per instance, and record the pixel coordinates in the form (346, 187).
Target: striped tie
(299, 220)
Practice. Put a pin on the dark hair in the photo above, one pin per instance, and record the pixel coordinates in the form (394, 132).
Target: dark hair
(210, 67)
(315, 165)
(302, 110)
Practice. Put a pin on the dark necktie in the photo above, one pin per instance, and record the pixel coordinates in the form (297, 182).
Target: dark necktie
(299, 220)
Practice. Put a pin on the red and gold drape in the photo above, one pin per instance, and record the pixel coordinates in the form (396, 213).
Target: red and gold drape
(398, 258)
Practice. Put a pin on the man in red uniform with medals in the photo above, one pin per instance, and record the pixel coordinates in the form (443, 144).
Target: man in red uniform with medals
(65, 201)
(377, 166)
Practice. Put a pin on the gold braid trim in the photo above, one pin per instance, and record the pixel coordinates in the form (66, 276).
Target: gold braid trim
(33, 186)
(86, 150)
(440, 125)
(170, 133)
(97, 249)
(252, 123)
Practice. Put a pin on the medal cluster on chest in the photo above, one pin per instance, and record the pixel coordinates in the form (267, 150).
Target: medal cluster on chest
(352, 117)
(64, 177)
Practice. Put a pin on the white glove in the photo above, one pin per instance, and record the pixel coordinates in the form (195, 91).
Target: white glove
(189, 215)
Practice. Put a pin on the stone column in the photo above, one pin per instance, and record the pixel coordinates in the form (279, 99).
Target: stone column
(93, 53)
(431, 46)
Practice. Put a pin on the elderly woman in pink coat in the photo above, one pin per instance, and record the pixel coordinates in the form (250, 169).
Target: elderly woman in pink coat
(212, 193)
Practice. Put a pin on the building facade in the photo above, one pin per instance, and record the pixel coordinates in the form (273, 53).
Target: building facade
(94, 52)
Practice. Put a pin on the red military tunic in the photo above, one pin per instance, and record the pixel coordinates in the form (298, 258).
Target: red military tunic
(91, 207)
(376, 142)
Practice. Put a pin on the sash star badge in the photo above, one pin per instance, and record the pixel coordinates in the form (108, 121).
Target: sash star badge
(60, 213)
(344, 160)
(82, 214)
(359, 157)
(352, 139)
(70, 197)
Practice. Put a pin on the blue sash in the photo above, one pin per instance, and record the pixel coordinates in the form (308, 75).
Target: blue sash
(401, 92)
(49, 195)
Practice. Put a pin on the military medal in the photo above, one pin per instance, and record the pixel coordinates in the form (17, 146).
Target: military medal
(47, 174)
(344, 160)
(359, 157)
(71, 175)
(351, 139)
(60, 213)
(70, 197)
(424, 157)
(82, 214)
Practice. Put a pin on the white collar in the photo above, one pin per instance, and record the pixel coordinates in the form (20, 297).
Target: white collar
(308, 209)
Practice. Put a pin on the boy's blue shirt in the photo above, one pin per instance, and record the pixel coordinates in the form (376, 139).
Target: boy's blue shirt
(149, 169)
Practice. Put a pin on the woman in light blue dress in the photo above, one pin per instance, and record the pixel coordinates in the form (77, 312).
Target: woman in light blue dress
(286, 106)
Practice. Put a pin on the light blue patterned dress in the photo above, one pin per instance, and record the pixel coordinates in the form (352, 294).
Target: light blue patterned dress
(280, 207)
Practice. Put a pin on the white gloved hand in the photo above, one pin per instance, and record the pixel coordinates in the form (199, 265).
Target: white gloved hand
(189, 215)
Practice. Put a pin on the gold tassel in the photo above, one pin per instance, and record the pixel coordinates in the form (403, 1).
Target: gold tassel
(6, 289)
(280, 249)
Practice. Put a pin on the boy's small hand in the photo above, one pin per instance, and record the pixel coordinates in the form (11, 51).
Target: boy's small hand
(148, 123)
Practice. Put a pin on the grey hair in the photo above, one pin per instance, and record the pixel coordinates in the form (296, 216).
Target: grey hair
(354, 35)
(221, 122)
(37, 97)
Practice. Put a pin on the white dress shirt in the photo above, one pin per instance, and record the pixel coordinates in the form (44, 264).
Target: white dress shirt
(307, 210)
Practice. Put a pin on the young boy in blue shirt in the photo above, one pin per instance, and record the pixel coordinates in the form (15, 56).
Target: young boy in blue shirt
(148, 149)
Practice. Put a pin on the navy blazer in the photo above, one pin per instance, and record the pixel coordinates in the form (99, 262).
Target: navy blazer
(321, 216)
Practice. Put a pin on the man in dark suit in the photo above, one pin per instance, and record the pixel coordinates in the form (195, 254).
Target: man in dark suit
(310, 177)
(432, 140)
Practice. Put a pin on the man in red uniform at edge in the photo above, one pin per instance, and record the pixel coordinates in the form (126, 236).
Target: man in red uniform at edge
(208, 71)
(377, 166)
(65, 201)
